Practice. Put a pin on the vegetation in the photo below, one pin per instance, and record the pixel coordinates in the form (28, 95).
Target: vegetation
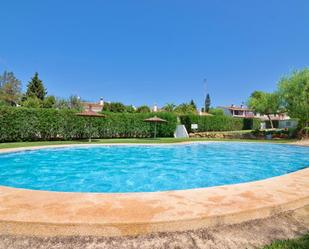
(185, 109)
(118, 107)
(10, 89)
(216, 111)
(277, 133)
(49, 102)
(219, 123)
(265, 104)
(192, 103)
(291, 97)
(294, 93)
(35, 88)
(35, 96)
(300, 243)
(73, 103)
(169, 107)
(114, 107)
(143, 109)
(207, 103)
(32, 102)
(32, 124)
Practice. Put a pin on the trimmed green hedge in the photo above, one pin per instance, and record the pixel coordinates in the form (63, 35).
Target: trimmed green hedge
(27, 124)
(219, 123)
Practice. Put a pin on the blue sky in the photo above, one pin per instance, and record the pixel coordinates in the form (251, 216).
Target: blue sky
(155, 51)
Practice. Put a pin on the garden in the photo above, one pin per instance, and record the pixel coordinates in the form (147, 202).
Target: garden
(35, 116)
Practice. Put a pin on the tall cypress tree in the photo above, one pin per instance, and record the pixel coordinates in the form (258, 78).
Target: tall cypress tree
(36, 88)
(193, 104)
(207, 103)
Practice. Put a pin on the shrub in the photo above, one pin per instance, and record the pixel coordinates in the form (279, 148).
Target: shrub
(143, 109)
(30, 124)
(32, 102)
(251, 123)
(278, 133)
(219, 123)
(216, 111)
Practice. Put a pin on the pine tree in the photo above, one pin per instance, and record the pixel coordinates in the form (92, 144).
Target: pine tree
(35, 88)
(207, 103)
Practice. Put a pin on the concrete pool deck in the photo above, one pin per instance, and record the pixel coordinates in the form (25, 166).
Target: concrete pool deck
(42, 213)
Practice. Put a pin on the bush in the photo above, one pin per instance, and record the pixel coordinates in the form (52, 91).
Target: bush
(278, 133)
(29, 124)
(251, 124)
(219, 123)
(216, 111)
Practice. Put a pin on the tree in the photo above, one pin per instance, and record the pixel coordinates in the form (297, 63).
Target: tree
(130, 109)
(73, 102)
(10, 89)
(294, 95)
(36, 88)
(143, 109)
(193, 104)
(114, 107)
(169, 107)
(265, 104)
(207, 103)
(49, 102)
(185, 109)
(106, 107)
(118, 107)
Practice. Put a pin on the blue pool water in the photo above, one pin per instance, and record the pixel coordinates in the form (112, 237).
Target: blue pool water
(148, 168)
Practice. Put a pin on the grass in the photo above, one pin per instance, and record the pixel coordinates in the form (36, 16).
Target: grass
(132, 140)
(300, 243)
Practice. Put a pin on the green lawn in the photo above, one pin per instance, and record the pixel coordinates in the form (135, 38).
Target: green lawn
(131, 140)
(300, 243)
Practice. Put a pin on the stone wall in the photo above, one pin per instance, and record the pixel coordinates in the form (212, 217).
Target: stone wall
(223, 135)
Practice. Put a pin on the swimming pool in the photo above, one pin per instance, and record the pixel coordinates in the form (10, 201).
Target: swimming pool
(136, 168)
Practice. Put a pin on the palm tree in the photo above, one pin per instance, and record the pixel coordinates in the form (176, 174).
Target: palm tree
(169, 107)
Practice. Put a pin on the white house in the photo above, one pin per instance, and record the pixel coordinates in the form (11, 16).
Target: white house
(282, 120)
(237, 111)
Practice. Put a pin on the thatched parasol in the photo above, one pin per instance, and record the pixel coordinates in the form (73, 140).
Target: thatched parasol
(90, 114)
(155, 120)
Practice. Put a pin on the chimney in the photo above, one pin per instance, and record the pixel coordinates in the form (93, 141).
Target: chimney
(101, 101)
(155, 108)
